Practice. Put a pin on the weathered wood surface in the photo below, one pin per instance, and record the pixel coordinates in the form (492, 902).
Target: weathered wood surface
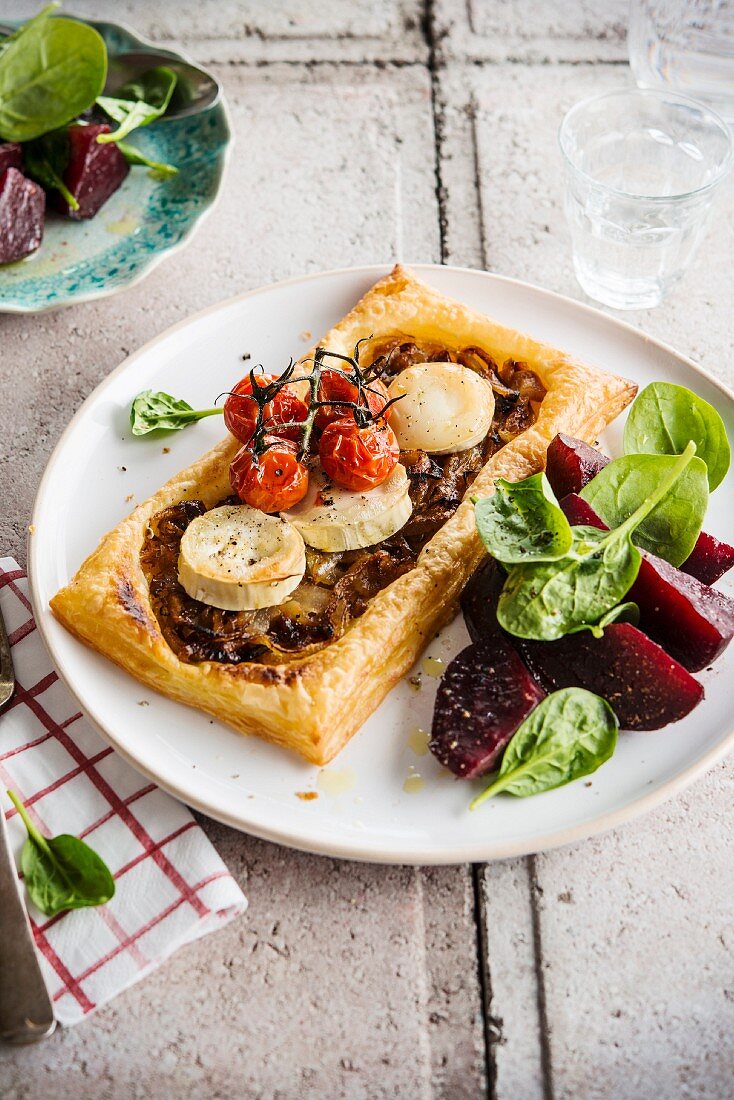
(603, 971)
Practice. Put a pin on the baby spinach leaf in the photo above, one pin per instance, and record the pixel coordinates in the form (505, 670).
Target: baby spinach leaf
(570, 733)
(627, 612)
(522, 522)
(664, 417)
(138, 102)
(50, 72)
(546, 600)
(670, 530)
(45, 160)
(134, 156)
(150, 411)
(154, 86)
(44, 13)
(61, 872)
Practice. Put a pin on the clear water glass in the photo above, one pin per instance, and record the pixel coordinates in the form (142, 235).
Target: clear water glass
(642, 170)
(686, 46)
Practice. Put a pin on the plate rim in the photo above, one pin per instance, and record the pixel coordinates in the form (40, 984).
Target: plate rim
(156, 258)
(335, 847)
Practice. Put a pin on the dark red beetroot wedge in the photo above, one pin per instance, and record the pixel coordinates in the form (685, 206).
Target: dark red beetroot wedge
(580, 514)
(22, 215)
(709, 560)
(692, 622)
(11, 156)
(484, 695)
(94, 171)
(571, 464)
(479, 601)
(645, 687)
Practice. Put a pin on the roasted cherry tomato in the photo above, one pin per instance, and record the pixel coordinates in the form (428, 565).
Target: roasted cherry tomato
(272, 481)
(240, 410)
(358, 458)
(335, 387)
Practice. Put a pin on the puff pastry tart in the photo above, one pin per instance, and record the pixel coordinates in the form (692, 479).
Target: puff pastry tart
(307, 672)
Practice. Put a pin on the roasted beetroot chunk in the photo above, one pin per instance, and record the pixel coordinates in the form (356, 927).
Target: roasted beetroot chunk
(11, 156)
(691, 621)
(645, 687)
(571, 464)
(484, 695)
(580, 514)
(94, 171)
(22, 214)
(479, 601)
(709, 560)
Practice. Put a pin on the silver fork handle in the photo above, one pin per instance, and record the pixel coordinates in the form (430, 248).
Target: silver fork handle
(26, 1012)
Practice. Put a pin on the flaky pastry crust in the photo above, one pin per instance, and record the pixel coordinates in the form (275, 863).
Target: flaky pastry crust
(314, 704)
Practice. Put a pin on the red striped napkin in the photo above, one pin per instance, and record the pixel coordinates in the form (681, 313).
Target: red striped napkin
(171, 885)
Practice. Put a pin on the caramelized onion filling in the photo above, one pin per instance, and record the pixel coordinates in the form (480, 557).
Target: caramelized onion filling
(337, 587)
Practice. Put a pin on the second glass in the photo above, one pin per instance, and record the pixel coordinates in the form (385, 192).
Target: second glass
(642, 168)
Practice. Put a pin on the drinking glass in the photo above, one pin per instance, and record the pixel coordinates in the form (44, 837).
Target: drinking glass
(686, 46)
(642, 169)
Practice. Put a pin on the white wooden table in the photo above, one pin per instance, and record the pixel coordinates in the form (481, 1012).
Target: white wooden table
(367, 133)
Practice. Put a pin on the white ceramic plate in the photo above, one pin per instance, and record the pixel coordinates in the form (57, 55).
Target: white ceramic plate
(371, 803)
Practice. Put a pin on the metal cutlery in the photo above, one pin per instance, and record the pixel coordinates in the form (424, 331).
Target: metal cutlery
(26, 1012)
(196, 90)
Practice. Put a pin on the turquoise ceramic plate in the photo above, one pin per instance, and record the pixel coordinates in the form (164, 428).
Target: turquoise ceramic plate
(145, 220)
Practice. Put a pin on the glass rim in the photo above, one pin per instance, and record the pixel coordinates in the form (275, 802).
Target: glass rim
(659, 94)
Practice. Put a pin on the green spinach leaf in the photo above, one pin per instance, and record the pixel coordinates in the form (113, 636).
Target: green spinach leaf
(45, 160)
(157, 410)
(546, 600)
(522, 522)
(627, 612)
(134, 156)
(570, 733)
(44, 13)
(138, 102)
(154, 86)
(664, 417)
(61, 872)
(670, 530)
(51, 71)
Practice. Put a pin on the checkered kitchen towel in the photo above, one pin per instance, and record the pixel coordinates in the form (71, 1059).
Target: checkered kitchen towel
(171, 886)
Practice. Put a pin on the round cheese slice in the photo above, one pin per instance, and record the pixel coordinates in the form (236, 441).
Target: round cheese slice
(332, 518)
(238, 558)
(443, 408)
